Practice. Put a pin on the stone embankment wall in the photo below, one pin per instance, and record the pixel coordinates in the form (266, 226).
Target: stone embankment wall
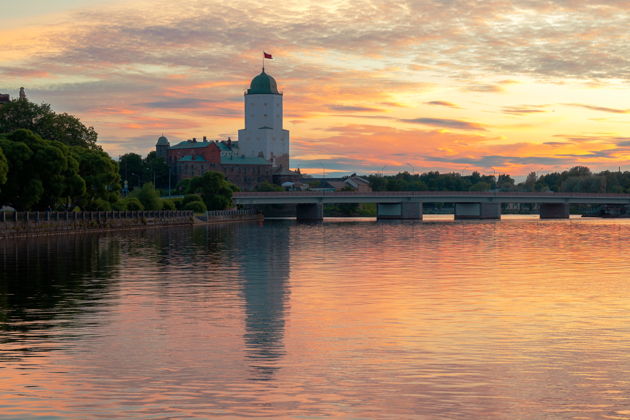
(15, 224)
(222, 216)
(43, 223)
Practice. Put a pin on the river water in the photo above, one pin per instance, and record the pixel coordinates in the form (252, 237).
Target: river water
(515, 319)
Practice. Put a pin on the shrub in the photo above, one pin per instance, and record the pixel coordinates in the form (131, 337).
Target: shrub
(196, 206)
(100, 205)
(190, 198)
(148, 196)
(168, 205)
(119, 205)
(133, 204)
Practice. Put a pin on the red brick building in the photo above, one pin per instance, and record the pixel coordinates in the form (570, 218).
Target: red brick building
(192, 158)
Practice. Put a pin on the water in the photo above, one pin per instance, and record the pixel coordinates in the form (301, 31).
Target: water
(348, 319)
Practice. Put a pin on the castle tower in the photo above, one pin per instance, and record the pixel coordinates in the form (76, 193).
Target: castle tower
(161, 148)
(263, 134)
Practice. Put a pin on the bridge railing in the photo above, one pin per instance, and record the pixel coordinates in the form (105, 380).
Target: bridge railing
(426, 193)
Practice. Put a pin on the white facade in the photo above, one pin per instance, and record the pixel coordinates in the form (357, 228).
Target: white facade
(263, 134)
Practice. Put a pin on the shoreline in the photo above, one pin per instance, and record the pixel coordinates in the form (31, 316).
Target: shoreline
(36, 224)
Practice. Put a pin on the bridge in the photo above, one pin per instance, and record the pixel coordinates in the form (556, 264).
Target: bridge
(408, 204)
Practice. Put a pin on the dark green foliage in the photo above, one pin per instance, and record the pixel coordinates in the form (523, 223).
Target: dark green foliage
(148, 196)
(4, 167)
(131, 169)
(196, 206)
(100, 174)
(215, 190)
(133, 204)
(168, 205)
(42, 173)
(268, 186)
(120, 205)
(190, 198)
(41, 119)
(156, 170)
(99, 205)
(432, 181)
(579, 179)
(138, 171)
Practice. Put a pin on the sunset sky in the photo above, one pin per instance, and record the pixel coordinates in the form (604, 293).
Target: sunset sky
(369, 85)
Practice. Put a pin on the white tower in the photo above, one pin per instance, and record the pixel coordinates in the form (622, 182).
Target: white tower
(263, 134)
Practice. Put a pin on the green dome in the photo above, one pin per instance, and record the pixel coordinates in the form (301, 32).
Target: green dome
(263, 84)
(162, 141)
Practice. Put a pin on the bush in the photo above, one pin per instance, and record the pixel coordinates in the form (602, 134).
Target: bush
(133, 204)
(100, 205)
(148, 196)
(168, 205)
(196, 206)
(188, 198)
(178, 202)
(119, 205)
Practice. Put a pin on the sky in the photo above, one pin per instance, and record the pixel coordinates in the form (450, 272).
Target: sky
(370, 86)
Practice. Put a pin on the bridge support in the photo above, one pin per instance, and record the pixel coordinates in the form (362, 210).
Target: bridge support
(554, 211)
(399, 211)
(309, 212)
(477, 211)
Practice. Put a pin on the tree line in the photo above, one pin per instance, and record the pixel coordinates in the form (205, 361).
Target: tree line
(576, 179)
(51, 161)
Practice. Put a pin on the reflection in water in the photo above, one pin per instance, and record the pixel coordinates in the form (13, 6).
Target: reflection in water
(49, 283)
(512, 319)
(264, 265)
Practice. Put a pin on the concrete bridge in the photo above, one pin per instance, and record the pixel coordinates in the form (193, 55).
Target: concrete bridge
(408, 204)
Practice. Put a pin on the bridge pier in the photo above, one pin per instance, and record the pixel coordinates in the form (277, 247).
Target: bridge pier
(309, 212)
(399, 211)
(477, 211)
(554, 211)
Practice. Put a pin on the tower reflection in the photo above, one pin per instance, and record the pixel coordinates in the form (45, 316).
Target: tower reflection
(264, 264)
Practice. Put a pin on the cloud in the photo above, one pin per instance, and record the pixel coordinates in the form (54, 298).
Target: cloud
(442, 103)
(446, 123)
(523, 110)
(351, 108)
(485, 88)
(602, 108)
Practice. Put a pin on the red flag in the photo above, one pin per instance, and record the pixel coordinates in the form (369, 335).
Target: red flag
(265, 55)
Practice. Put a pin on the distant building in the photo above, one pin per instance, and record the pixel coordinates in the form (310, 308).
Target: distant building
(4, 98)
(260, 155)
(352, 182)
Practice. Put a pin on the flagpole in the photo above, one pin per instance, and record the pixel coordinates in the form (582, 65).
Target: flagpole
(263, 61)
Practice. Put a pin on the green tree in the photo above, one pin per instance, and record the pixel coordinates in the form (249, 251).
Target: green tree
(148, 196)
(41, 119)
(168, 205)
(156, 170)
(133, 204)
(4, 167)
(42, 173)
(268, 186)
(196, 206)
(215, 190)
(100, 174)
(131, 169)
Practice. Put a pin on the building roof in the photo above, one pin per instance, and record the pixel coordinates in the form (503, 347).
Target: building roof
(240, 160)
(225, 148)
(189, 144)
(190, 158)
(162, 141)
(263, 84)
